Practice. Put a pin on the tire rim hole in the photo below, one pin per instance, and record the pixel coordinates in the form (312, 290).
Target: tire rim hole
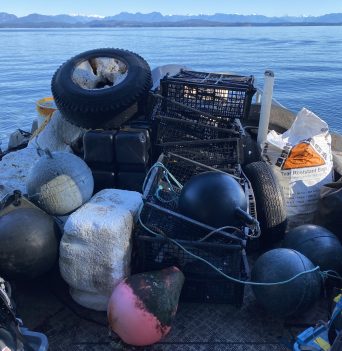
(99, 73)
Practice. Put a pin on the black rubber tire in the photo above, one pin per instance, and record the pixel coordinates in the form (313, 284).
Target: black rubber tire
(251, 151)
(270, 204)
(101, 108)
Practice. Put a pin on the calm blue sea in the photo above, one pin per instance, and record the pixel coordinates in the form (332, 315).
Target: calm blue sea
(307, 61)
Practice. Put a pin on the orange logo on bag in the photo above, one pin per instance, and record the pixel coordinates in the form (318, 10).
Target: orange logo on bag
(301, 156)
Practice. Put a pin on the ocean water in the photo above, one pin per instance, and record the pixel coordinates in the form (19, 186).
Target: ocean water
(307, 62)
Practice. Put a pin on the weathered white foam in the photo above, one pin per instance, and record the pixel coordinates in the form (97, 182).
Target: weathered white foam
(95, 249)
(58, 134)
(14, 169)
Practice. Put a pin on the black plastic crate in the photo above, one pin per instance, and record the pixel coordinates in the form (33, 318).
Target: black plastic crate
(207, 144)
(183, 168)
(156, 190)
(220, 95)
(193, 123)
(202, 283)
(217, 153)
(225, 249)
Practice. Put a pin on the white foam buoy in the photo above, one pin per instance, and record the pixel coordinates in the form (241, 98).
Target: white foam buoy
(59, 183)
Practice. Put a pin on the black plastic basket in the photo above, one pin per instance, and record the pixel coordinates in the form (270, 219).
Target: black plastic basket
(183, 168)
(202, 283)
(194, 122)
(223, 154)
(186, 132)
(221, 95)
(224, 249)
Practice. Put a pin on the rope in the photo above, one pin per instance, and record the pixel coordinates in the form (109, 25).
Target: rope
(231, 227)
(166, 175)
(330, 274)
(219, 229)
(42, 126)
(175, 242)
(159, 197)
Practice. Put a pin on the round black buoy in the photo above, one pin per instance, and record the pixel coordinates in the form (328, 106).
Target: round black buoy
(213, 198)
(318, 244)
(291, 298)
(28, 243)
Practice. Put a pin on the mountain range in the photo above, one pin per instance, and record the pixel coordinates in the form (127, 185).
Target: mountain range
(156, 19)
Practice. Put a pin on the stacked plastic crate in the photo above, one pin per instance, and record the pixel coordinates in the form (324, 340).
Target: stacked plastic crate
(197, 128)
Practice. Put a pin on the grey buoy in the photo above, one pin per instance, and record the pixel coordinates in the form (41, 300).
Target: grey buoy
(318, 244)
(59, 183)
(290, 298)
(29, 240)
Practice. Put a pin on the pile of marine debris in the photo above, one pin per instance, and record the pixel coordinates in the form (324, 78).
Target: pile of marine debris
(194, 217)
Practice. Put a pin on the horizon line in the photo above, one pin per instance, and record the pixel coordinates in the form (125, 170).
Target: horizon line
(168, 15)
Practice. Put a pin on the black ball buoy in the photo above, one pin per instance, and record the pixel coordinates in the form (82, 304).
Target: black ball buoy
(318, 244)
(28, 243)
(286, 299)
(213, 198)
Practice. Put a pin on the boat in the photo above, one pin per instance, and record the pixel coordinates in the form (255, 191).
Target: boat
(45, 305)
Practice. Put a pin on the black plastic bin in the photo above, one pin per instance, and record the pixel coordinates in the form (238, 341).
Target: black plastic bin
(218, 153)
(224, 249)
(221, 95)
(202, 283)
(213, 146)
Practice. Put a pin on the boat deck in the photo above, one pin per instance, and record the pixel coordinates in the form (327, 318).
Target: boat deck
(45, 306)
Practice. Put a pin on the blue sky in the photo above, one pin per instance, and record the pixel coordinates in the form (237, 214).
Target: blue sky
(111, 7)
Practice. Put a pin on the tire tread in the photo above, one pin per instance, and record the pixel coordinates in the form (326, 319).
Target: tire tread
(79, 113)
(270, 202)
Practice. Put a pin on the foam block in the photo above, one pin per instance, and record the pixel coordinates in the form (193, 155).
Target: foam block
(58, 134)
(95, 249)
(14, 170)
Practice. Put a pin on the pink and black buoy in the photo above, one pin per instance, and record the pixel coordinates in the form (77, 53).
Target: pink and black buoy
(143, 306)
